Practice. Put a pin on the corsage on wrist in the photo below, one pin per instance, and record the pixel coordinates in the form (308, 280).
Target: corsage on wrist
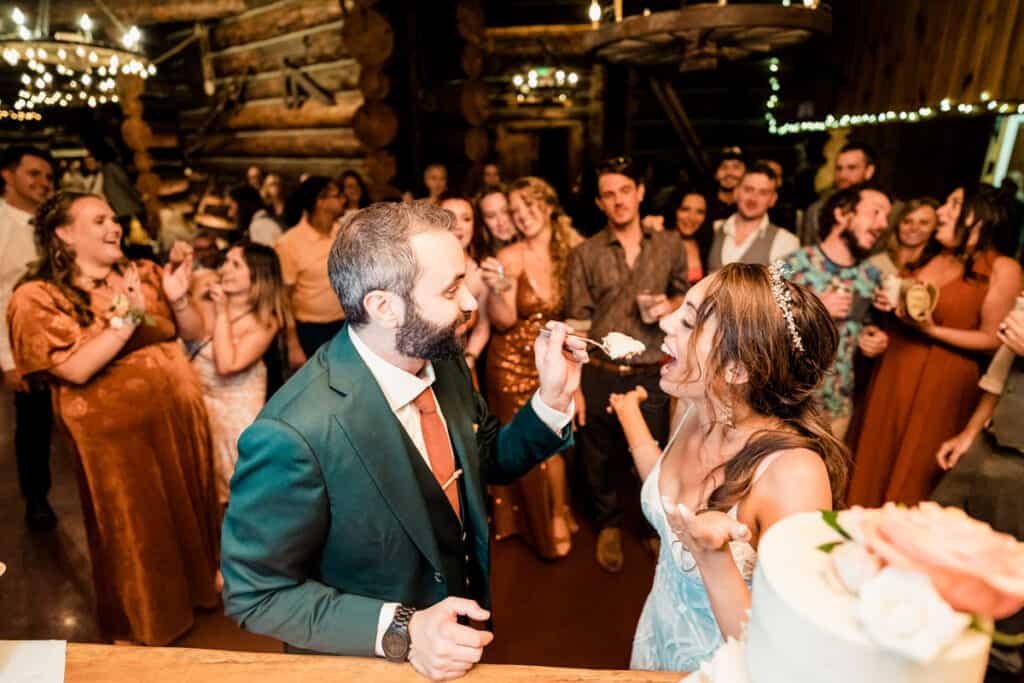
(121, 313)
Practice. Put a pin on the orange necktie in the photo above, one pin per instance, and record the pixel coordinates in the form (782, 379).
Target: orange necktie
(439, 448)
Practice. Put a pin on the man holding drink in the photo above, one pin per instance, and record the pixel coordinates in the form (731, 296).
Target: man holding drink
(623, 279)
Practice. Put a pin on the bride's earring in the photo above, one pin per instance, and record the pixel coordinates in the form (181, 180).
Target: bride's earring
(727, 414)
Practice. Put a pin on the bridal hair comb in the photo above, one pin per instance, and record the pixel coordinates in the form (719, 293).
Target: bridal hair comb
(784, 299)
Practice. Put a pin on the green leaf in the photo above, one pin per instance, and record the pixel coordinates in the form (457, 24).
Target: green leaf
(998, 637)
(829, 547)
(831, 518)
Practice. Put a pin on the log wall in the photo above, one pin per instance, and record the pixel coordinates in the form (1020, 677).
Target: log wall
(915, 53)
(255, 52)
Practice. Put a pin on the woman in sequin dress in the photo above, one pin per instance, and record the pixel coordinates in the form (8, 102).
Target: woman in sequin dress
(527, 284)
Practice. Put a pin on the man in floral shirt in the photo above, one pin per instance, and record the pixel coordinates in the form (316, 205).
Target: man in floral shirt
(837, 271)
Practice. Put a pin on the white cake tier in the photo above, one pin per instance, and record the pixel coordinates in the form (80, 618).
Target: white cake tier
(803, 627)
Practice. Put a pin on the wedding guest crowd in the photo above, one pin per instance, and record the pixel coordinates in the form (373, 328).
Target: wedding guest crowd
(815, 359)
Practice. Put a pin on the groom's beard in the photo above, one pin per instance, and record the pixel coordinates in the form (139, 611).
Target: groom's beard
(420, 338)
(859, 253)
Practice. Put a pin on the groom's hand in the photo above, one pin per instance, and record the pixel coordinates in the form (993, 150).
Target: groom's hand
(443, 649)
(559, 371)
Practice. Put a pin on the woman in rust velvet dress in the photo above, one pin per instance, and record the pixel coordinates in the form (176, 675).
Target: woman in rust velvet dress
(527, 284)
(103, 332)
(926, 385)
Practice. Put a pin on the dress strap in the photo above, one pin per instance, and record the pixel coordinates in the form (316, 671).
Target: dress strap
(765, 464)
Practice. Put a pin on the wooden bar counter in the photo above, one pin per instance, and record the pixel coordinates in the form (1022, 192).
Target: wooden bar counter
(108, 663)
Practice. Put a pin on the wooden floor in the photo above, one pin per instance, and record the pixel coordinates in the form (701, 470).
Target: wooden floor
(567, 613)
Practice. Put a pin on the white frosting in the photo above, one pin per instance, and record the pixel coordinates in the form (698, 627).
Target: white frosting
(804, 627)
(621, 345)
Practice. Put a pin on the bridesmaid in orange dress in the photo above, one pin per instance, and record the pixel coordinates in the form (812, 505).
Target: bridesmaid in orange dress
(926, 385)
(103, 331)
(527, 285)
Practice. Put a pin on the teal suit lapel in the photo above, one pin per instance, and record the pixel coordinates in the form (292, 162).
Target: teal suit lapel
(458, 415)
(380, 442)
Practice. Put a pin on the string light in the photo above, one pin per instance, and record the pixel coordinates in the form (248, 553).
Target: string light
(594, 12)
(945, 105)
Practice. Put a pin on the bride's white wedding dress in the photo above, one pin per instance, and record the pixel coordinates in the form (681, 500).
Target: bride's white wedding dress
(677, 628)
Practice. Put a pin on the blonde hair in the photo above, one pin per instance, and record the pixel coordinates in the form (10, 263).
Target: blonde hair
(266, 290)
(563, 235)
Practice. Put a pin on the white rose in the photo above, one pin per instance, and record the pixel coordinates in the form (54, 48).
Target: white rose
(854, 565)
(901, 612)
(729, 665)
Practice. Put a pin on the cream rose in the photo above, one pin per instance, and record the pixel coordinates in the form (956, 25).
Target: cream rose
(974, 568)
(854, 565)
(902, 612)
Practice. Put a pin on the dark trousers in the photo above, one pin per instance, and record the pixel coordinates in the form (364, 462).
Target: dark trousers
(314, 335)
(33, 429)
(603, 451)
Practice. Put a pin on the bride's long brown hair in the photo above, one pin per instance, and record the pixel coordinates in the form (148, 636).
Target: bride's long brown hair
(752, 333)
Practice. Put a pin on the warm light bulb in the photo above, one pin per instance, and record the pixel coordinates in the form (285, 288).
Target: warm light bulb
(18, 16)
(594, 12)
(85, 23)
(24, 33)
(131, 38)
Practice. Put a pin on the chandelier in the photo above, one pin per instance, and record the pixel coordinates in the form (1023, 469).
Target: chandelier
(67, 69)
(545, 85)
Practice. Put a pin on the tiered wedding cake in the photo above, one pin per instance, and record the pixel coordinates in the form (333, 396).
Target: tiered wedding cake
(895, 594)
(806, 627)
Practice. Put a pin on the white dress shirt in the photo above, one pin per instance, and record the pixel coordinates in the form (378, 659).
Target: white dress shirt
(400, 388)
(17, 252)
(784, 244)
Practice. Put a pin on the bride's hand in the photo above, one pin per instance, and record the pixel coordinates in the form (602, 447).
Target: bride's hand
(705, 533)
(628, 403)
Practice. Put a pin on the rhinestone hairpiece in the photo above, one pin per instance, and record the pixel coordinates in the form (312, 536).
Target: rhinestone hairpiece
(784, 299)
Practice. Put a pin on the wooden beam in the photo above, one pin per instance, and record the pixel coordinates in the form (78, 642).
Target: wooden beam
(274, 20)
(146, 12)
(299, 86)
(305, 47)
(525, 41)
(291, 166)
(273, 114)
(298, 142)
(676, 116)
(342, 74)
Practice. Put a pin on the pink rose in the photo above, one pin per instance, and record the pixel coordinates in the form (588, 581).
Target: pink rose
(973, 567)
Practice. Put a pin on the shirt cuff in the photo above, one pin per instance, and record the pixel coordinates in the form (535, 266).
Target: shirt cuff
(384, 619)
(556, 420)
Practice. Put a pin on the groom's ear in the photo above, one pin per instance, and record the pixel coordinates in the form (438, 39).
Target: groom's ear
(384, 309)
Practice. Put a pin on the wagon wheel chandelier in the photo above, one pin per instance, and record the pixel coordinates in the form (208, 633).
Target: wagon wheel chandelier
(69, 68)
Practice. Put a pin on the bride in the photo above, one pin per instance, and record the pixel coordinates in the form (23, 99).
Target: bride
(748, 349)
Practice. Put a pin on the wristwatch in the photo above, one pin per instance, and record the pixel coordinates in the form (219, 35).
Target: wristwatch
(396, 642)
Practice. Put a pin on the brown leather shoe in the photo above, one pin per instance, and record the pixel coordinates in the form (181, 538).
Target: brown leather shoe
(609, 549)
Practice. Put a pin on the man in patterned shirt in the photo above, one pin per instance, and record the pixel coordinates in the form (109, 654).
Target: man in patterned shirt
(837, 271)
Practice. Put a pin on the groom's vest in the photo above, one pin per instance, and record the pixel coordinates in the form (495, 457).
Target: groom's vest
(461, 570)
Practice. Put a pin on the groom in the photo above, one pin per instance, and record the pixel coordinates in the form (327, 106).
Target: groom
(357, 523)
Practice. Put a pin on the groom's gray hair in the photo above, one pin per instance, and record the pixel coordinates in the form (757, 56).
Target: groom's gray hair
(373, 252)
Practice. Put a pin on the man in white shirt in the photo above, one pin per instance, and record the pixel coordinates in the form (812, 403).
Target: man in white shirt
(28, 181)
(748, 236)
(357, 522)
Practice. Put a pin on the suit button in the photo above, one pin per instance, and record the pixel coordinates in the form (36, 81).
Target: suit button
(463, 535)
(467, 559)
(438, 578)
(467, 583)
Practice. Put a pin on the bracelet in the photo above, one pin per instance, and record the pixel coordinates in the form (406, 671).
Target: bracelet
(652, 442)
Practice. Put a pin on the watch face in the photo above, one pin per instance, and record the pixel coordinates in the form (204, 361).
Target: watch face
(395, 644)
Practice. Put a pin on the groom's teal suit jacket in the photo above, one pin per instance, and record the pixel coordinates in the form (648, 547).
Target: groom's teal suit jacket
(326, 520)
